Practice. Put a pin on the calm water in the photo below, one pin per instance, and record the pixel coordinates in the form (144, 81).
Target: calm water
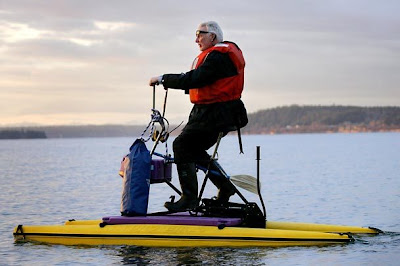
(350, 179)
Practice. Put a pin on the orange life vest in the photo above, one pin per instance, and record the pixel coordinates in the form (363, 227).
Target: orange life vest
(225, 89)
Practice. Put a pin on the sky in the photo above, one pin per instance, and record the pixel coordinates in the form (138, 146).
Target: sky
(89, 61)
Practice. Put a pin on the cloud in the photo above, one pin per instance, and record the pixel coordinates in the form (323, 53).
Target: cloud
(66, 58)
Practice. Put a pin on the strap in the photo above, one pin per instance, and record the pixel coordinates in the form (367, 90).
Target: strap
(240, 141)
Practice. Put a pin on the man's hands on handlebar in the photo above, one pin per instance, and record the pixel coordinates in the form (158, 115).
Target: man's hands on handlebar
(155, 80)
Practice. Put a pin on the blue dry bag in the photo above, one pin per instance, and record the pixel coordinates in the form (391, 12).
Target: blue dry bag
(136, 180)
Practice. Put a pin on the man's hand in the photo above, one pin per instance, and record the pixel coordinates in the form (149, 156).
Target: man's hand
(155, 80)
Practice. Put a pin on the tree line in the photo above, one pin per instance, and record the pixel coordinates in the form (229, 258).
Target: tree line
(22, 134)
(285, 119)
(308, 118)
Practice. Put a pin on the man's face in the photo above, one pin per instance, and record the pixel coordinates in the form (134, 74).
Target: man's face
(204, 39)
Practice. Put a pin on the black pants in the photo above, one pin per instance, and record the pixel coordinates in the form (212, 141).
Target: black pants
(191, 146)
(205, 124)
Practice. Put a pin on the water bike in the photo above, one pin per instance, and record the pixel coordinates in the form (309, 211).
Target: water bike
(211, 224)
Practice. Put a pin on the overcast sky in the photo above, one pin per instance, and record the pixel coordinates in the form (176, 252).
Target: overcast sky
(89, 62)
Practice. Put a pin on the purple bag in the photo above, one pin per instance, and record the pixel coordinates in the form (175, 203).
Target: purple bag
(160, 171)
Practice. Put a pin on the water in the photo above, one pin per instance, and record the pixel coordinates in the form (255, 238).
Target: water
(350, 179)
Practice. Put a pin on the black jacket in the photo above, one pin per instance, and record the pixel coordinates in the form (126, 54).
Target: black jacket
(216, 66)
(220, 116)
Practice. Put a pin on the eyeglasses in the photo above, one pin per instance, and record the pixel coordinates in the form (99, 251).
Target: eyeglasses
(198, 32)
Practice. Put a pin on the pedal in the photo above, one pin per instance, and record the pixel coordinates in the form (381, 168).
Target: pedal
(172, 198)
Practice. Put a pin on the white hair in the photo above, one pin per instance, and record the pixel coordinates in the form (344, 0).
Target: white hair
(213, 27)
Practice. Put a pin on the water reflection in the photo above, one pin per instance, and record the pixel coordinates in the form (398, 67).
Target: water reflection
(192, 256)
(135, 255)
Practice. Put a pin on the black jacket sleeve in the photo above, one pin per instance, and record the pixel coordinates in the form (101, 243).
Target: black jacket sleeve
(216, 66)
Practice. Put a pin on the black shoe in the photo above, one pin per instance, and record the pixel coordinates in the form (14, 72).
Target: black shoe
(188, 179)
(225, 192)
(183, 204)
(225, 187)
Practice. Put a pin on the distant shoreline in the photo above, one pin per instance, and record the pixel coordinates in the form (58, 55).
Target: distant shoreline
(325, 129)
(22, 134)
(294, 119)
(136, 131)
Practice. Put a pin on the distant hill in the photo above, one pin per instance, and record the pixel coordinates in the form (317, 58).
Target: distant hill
(22, 134)
(280, 120)
(307, 119)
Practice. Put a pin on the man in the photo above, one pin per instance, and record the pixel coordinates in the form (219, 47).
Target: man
(215, 84)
